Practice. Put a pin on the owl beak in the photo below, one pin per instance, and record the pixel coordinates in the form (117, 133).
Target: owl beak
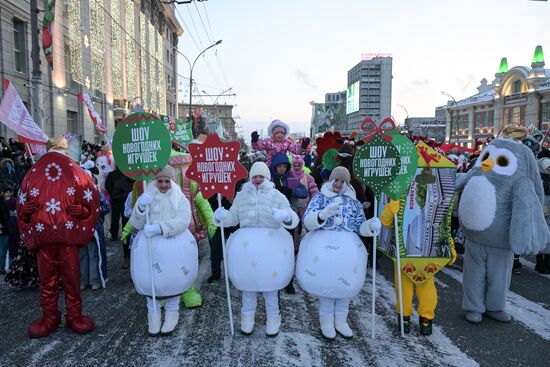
(487, 165)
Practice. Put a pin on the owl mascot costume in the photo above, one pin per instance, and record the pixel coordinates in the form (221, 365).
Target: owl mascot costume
(501, 215)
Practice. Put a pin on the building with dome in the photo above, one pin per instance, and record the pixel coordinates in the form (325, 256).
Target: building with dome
(518, 95)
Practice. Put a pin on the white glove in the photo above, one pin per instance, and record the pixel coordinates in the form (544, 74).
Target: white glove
(151, 230)
(144, 201)
(370, 228)
(329, 211)
(220, 214)
(281, 215)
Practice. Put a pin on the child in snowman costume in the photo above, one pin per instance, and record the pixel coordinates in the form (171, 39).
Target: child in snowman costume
(260, 254)
(173, 249)
(332, 261)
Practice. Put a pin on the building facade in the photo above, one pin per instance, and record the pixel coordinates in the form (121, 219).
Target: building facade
(426, 126)
(520, 95)
(210, 114)
(120, 52)
(369, 91)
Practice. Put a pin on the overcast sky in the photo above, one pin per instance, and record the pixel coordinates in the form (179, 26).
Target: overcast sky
(278, 55)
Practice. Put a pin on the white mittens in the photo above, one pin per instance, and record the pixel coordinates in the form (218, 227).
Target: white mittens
(144, 201)
(151, 230)
(330, 210)
(370, 228)
(220, 214)
(281, 215)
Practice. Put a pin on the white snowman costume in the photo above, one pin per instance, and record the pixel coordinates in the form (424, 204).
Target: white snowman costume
(173, 249)
(260, 254)
(332, 261)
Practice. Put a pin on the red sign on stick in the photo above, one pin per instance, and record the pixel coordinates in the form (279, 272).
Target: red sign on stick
(216, 166)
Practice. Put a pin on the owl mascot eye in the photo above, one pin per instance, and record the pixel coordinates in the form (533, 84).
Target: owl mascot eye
(500, 212)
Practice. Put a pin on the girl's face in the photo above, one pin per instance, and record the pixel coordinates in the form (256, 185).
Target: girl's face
(337, 185)
(278, 133)
(297, 166)
(7, 195)
(258, 180)
(163, 184)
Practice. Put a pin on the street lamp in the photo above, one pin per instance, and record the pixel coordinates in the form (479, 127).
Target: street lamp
(191, 66)
(457, 119)
(219, 95)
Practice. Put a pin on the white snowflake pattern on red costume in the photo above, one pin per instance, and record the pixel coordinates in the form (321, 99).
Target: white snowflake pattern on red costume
(53, 206)
(22, 198)
(39, 227)
(70, 191)
(69, 224)
(88, 195)
(35, 192)
(49, 168)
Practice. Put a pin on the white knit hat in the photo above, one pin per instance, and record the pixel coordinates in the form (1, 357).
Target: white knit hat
(278, 123)
(167, 172)
(260, 169)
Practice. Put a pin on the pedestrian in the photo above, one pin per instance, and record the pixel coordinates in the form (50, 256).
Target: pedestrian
(171, 245)
(58, 205)
(290, 186)
(260, 256)
(332, 261)
(543, 259)
(5, 195)
(119, 186)
(278, 141)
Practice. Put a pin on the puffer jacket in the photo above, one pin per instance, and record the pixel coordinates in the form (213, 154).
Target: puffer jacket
(253, 207)
(272, 147)
(288, 183)
(171, 210)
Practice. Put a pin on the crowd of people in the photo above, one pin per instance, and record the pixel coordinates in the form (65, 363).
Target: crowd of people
(296, 196)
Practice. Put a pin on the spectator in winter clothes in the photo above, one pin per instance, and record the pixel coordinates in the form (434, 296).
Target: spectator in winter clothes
(543, 260)
(118, 186)
(278, 142)
(6, 194)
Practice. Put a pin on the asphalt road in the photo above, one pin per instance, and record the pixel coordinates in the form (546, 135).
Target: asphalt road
(203, 336)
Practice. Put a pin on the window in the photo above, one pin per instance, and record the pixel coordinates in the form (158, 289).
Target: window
(546, 112)
(72, 122)
(19, 46)
(516, 87)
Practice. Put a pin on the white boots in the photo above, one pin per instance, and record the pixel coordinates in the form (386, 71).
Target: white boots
(247, 324)
(342, 327)
(154, 323)
(330, 325)
(272, 325)
(170, 321)
(327, 326)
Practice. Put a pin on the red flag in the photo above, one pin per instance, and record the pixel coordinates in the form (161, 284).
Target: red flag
(14, 115)
(96, 118)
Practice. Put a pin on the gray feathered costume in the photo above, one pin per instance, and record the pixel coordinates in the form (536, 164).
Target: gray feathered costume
(501, 214)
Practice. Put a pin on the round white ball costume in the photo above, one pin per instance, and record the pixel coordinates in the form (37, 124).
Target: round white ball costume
(260, 254)
(173, 251)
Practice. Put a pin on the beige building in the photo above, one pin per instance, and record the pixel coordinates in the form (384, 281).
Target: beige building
(520, 95)
(115, 50)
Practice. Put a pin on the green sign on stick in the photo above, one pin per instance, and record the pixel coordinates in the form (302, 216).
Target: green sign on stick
(409, 162)
(377, 162)
(180, 132)
(141, 146)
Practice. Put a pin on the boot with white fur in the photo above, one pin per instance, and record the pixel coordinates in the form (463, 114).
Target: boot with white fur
(342, 327)
(247, 324)
(272, 325)
(154, 323)
(170, 321)
(327, 326)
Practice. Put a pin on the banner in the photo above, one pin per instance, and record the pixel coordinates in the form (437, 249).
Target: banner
(216, 167)
(96, 118)
(75, 146)
(14, 115)
(180, 132)
(47, 32)
(141, 146)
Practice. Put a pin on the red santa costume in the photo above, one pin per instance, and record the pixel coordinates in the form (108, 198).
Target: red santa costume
(58, 209)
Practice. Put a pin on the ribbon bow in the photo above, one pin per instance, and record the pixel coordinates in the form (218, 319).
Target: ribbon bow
(371, 129)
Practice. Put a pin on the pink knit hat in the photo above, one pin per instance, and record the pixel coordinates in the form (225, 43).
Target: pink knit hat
(298, 159)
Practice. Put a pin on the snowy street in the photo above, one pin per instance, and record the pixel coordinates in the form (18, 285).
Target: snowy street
(202, 337)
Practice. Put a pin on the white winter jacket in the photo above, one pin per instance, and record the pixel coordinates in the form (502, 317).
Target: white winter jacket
(253, 207)
(171, 210)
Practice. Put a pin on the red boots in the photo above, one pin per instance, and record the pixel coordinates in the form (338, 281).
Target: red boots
(44, 326)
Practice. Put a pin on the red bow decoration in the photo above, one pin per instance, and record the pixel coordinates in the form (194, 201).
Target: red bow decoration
(371, 129)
